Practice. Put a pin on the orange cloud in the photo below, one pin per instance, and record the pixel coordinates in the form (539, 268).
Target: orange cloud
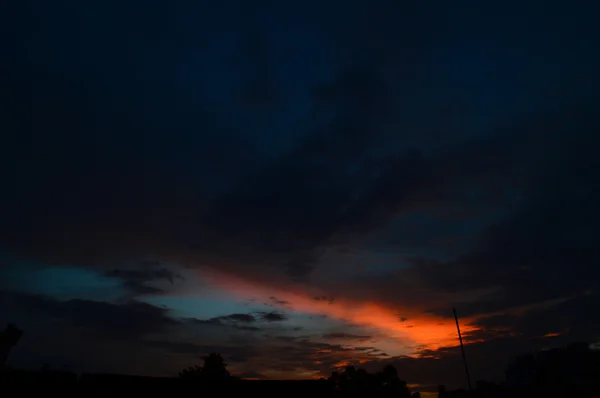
(415, 330)
(548, 335)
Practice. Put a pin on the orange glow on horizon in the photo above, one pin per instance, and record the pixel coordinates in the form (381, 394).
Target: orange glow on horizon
(548, 335)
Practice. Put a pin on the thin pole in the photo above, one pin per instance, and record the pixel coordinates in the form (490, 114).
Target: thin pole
(462, 349)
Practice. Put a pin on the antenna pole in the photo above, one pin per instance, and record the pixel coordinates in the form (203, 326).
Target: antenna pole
(462, 349)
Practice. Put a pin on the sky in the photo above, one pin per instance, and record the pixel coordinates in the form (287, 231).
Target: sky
(299, 185)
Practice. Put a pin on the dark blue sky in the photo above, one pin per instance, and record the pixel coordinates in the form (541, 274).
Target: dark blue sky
(342, 173)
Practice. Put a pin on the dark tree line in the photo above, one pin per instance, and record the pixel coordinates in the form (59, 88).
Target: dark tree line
(353, 382)
(349, 383)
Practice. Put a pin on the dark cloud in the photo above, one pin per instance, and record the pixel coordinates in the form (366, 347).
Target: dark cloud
(241, 318)
(101, 319)
(286, 217)
(235, 318)
(568, 318)
(346, 336)
(324, 298)
(86, 335)
(365, 349)
(144, 275)
(89, 332)
(237, 321)
(358, 190)
(540, 245)
(265, 208)
(136, 280)
(279, 302)
(272, 316)
(543, 250)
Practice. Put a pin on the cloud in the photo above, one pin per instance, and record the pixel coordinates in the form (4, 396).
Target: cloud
(566, 318)
(364, 179)
(198, 222)
(345, 336)
(237, 321)
(273, 316)
(246, 318)
(278, 302)
(242, 322)
(85, 335)
(101, 319)
(136, 280)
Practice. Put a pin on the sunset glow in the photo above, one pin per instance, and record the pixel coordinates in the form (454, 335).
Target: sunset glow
(418, 330)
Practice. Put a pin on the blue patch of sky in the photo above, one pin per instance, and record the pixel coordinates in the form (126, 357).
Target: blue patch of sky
(60, 283)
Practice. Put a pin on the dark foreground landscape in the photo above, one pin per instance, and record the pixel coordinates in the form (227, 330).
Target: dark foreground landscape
(67, 384)
(573, 371)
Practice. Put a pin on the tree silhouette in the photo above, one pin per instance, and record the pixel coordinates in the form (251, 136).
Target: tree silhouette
(352, 382)
(214, 369)
(391, 384)
(8, 339)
